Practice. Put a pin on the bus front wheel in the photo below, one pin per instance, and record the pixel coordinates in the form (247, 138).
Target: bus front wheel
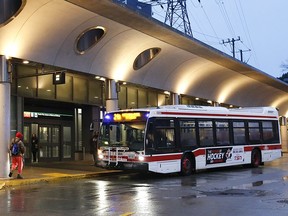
(255, 158)
(187, 165)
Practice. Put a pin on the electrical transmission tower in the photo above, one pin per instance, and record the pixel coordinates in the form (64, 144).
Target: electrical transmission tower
(176, 14)
(177, 17)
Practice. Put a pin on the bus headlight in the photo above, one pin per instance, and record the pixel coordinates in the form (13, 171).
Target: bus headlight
(141, 158)
(100, 154)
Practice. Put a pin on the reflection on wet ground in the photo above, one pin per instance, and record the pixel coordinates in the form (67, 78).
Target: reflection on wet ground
(255, 184)
(236, 192)
(284, 201)
(216, 183)
(263, 191)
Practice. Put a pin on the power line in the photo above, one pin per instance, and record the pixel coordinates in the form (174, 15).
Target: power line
(225, 15)
(207, 17)
(248, 37)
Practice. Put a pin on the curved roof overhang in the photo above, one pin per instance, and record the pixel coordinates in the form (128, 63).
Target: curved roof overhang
(46, 30)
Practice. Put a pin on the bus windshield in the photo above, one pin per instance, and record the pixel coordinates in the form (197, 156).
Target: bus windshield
(123, 134)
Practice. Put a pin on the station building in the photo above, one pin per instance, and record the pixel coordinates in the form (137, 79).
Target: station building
(65, 63)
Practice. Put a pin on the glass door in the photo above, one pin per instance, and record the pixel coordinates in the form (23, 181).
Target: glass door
(49, 141)
(67, 142)
(26, 141)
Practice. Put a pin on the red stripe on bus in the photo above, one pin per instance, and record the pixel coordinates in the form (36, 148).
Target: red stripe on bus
(196, 153)
(263, 147)
(199, 152)
(217, 115)
(163, 157)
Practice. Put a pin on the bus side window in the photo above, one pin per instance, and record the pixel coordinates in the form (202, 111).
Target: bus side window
(187, 133)
(239, 132)
(270, 132)
(222, 132)
(206, 133)
(254, 132)
(164, 138)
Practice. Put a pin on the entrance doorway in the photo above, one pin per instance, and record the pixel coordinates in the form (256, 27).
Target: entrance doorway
(55, 141)
(49, 140)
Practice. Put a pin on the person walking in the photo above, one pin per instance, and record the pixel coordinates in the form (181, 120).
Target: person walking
(17, 149)
(35, 148)
(94, 146)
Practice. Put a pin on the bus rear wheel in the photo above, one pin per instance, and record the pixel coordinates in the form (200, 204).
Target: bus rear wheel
(187, 165)
(255, 158)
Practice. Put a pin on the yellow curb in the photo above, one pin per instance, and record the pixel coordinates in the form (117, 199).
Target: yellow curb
(127, 214)
(2, 185)
(51, 177)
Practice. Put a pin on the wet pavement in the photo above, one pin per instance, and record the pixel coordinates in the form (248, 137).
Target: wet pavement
(223, 191)
(54, 171)
(235, 190)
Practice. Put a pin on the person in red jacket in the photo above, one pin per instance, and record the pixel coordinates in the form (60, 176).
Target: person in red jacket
(17, 149)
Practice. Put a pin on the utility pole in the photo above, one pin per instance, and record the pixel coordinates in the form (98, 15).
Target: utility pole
(241, 53)
(232, 41)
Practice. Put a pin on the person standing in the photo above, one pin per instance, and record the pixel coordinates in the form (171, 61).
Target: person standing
(35, 147)
(17, 149)
(94, 146)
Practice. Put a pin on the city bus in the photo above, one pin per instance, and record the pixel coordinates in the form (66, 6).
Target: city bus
(186, 138)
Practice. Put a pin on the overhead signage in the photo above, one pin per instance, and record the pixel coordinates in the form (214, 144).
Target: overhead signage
(59, 78)
(43, 114)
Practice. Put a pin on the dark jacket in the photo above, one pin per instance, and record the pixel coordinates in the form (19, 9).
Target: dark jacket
(34, 144)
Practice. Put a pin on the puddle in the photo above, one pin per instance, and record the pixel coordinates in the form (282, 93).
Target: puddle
(284, 201)
(193, 196)
(254, 184)
(236, 192)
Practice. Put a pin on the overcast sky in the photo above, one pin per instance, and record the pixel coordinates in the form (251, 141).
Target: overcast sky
(260, 24)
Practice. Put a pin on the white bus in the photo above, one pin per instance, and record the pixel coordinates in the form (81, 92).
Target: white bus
(186, 138)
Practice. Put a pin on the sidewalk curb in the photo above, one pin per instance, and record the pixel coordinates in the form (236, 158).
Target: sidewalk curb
(8, 183)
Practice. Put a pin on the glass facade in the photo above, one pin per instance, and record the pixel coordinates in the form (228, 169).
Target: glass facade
(32, 82)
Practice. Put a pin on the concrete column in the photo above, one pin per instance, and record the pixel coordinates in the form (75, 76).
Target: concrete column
(5, 100)
(175, 99)
(112, 97)
(283, 130)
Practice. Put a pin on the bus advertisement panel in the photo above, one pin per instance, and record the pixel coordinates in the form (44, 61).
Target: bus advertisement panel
(225, 155)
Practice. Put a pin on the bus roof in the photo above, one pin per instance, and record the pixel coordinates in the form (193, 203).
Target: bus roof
(195, 110)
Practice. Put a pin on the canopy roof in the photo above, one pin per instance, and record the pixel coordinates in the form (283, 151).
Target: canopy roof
(46, 31)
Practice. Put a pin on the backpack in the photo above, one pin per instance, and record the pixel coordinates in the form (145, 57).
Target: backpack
(15, 150)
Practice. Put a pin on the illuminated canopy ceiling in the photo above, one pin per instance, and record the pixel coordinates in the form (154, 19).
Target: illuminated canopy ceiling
(45, 31)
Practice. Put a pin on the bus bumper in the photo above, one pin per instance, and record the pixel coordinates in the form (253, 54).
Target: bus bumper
(123, 165)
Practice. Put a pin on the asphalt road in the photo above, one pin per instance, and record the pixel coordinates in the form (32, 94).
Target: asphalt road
(231, 191)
